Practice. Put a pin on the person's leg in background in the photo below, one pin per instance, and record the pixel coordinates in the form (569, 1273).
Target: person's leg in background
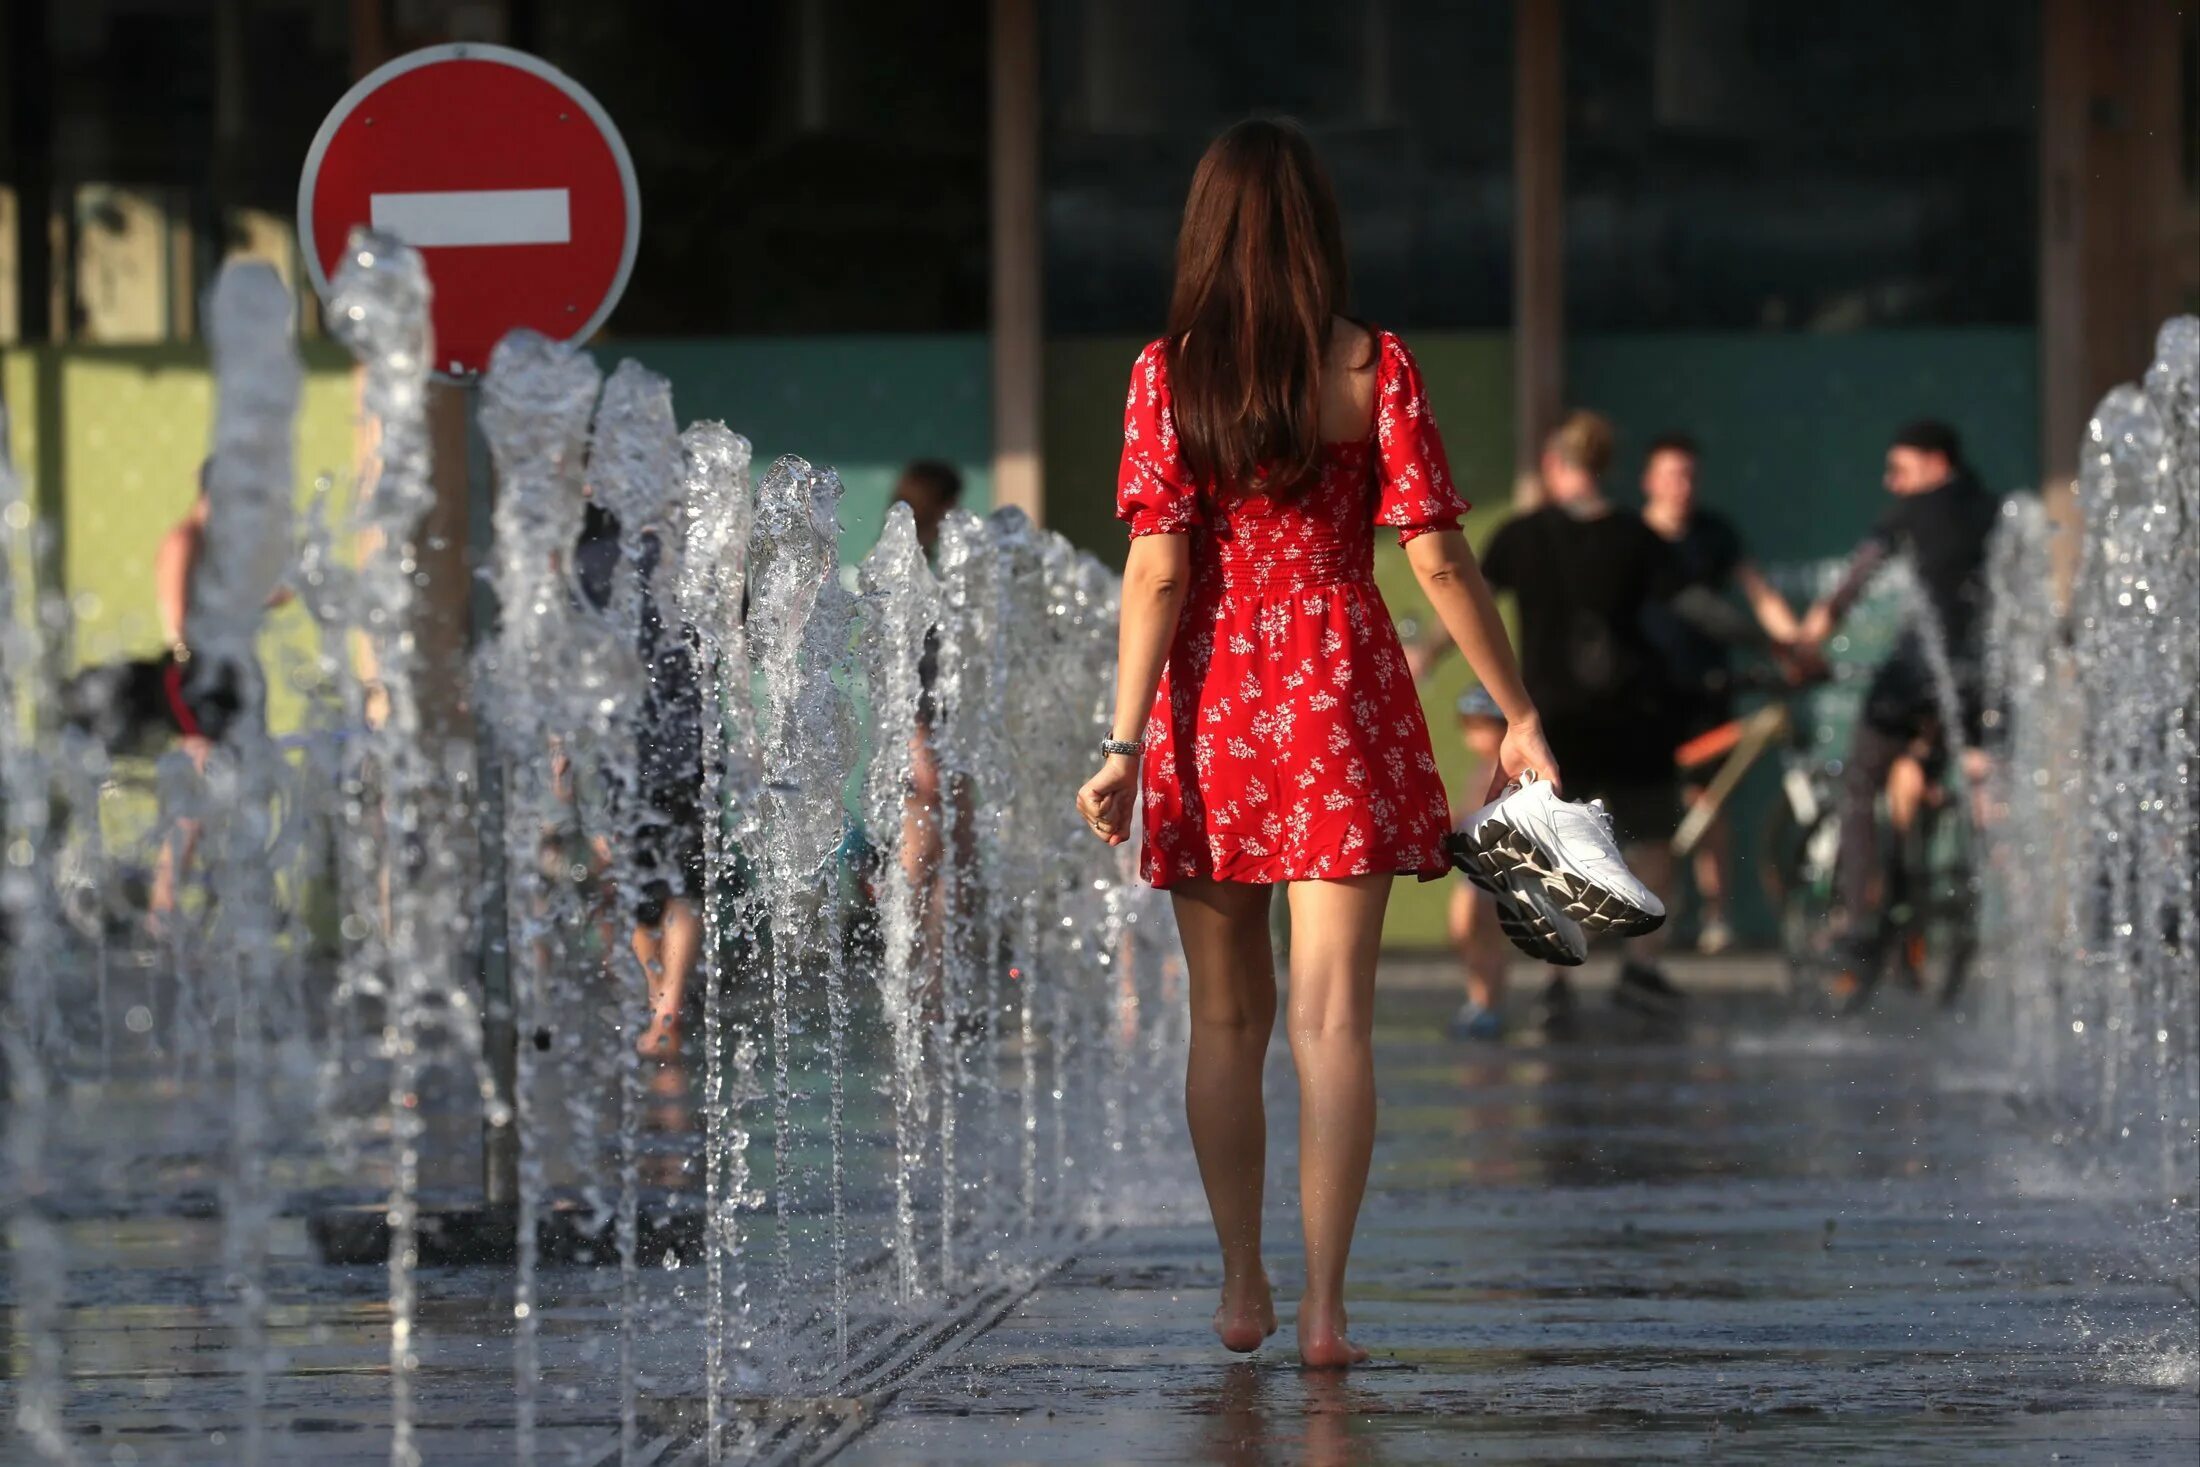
(1485, 955)
(1483, 951)
(1858, 878)
(1224, 926)
(1651, 861)
(1645, 811)
(173, 863)
(1907, 785)
(1712, 861)
(921, 849)
(668, 937)
(1337, 929)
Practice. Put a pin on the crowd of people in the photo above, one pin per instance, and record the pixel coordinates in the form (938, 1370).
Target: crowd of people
(1629, 625)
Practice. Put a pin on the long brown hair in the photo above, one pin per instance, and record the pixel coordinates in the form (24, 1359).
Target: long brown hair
(1260, 281)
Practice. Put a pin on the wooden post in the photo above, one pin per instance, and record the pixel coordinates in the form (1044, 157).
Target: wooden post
(2119, 227)
(1539, 223)
(2062, 149)
(1019, 327)
(29, 99)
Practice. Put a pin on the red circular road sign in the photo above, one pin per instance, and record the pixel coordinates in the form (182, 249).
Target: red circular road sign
(502, 171)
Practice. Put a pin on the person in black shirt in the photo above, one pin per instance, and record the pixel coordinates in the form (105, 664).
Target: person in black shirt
(1583, 573)
(1941, 521)
(1709, 553)
(666, 814)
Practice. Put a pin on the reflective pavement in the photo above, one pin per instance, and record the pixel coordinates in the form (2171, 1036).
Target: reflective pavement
(1763, 1241)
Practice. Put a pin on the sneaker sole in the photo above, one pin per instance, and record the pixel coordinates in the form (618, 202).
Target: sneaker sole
(1532, 933)
(1500, 849)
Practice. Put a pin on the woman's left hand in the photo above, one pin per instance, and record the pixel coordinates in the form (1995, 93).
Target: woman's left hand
(1107, 798)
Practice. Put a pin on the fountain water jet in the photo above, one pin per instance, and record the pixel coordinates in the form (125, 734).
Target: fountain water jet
(899, 1226)
(536, 402)
(903, 608)
(2093, 876)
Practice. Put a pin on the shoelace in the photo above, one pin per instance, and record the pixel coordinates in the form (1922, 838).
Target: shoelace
(1603, 817)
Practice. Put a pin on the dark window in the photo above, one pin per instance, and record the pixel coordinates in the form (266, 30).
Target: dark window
(1793, 166)
(1410, 102)
(810, 166)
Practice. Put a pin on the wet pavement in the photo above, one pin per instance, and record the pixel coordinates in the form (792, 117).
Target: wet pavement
(1760, 1241)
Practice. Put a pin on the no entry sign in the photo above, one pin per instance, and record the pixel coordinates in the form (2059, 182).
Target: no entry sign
(507, 177)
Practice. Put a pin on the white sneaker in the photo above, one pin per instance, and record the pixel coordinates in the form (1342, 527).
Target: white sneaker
(1534, 924)
(1528, 835)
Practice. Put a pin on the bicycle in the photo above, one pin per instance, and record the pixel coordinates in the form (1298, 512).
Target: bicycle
(1927, 938)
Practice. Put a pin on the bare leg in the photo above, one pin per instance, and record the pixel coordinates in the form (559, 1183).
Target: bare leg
(667, 953)
(1906, 790)
(1338, 930)
(173, 865)
(1711, 862)
(1481, 947)
(169, 868)
(1233, 972)
(920, 864)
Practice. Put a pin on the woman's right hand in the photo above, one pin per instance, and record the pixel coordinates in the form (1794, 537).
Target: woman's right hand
(1525, 748)
(1106, 801)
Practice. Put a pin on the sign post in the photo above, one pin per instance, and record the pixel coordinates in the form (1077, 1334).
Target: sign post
(519, 193)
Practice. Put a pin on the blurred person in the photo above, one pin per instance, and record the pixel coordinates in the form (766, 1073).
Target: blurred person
(1940, 522)
(1584, 575)
(1482, 947)
(661, 811)
(930, 487)
(1710, 556)
(175, 563)
(200, 702)
(1263, 710)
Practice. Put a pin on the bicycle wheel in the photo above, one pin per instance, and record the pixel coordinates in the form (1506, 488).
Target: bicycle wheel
(1797, 848)
(1946, 917)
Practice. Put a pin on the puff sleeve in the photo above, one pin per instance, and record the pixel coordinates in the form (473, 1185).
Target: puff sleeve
(1154, 494)
(1414, 492)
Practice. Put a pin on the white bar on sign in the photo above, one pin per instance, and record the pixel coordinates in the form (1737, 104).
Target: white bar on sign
(481, 216)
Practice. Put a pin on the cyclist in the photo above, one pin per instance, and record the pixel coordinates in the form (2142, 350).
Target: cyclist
(1940, 522)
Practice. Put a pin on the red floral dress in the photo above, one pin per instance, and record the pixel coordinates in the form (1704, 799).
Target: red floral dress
(1286, 741)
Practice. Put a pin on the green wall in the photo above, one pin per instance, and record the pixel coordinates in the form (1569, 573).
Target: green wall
(1794, 426)
(111, 439)
(864, 405)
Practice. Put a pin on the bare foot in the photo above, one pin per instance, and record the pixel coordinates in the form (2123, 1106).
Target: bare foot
(661, 1040)
(1323, 1344)
(1242, 1323)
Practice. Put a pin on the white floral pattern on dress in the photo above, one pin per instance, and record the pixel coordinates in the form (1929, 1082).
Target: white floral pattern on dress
(1307, 754)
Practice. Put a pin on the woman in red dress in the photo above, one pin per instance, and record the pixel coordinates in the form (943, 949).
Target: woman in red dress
(1264, 709)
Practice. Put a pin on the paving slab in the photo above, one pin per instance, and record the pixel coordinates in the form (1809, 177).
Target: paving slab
(1761, 1239)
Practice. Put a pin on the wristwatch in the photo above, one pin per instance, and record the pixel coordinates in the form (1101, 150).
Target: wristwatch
(1131, 747)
